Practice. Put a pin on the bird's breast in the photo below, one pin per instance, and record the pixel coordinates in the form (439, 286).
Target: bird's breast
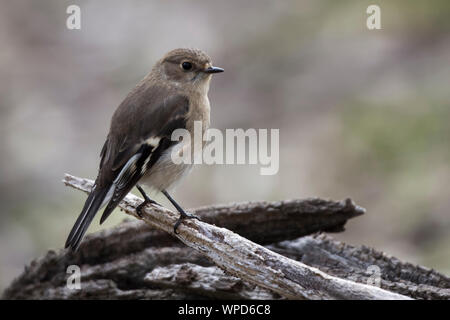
(199, 110)
(165, 173)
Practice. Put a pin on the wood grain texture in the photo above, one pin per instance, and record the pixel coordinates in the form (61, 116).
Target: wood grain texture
(120, 263)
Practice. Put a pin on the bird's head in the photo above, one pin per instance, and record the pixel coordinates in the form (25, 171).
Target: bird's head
(187, 67)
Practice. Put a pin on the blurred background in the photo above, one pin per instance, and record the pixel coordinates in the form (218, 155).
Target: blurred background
(362, 114)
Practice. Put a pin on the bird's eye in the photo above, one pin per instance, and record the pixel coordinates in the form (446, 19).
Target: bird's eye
(186, 65)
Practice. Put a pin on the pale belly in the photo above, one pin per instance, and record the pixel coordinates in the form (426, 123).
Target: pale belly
(165, 174)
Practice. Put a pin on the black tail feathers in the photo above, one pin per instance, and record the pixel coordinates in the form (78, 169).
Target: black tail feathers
(91, 206)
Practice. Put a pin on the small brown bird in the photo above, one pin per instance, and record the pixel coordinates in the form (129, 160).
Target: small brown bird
(138, 146)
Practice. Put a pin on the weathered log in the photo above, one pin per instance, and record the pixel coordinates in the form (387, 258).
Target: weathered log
(207, 281)
(134, 236)
(366, 265)
(249, 261)
(46, 277)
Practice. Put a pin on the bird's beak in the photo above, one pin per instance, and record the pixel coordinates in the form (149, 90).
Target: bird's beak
(213, 70)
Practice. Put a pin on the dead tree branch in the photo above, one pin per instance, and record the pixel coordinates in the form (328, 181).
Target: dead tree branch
(249, 261)
(121, 262)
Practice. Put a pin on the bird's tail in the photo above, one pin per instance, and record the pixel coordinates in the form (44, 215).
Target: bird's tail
(94, 202)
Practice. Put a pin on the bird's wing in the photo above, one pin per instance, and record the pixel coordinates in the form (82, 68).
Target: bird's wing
(140, 132)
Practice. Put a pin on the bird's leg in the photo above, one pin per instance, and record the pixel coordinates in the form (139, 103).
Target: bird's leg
(147, 200)
(183, 214)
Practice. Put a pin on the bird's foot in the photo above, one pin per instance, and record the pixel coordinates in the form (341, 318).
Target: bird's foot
(140, 207)
(147, 200)
(183, 215)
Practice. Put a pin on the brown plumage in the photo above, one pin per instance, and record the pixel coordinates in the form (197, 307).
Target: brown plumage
(172, 96)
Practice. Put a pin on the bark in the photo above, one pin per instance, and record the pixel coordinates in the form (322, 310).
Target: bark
(207, 281)
(133, 262)
(366, 265)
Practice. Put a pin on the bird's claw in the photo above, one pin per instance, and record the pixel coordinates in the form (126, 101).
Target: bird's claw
(182, 217)
(140, 207)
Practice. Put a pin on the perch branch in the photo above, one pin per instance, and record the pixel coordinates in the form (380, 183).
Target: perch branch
(137, 248)
(247, 260)
(261, 221)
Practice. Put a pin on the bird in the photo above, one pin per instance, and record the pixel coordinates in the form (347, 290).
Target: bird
(138, 147)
